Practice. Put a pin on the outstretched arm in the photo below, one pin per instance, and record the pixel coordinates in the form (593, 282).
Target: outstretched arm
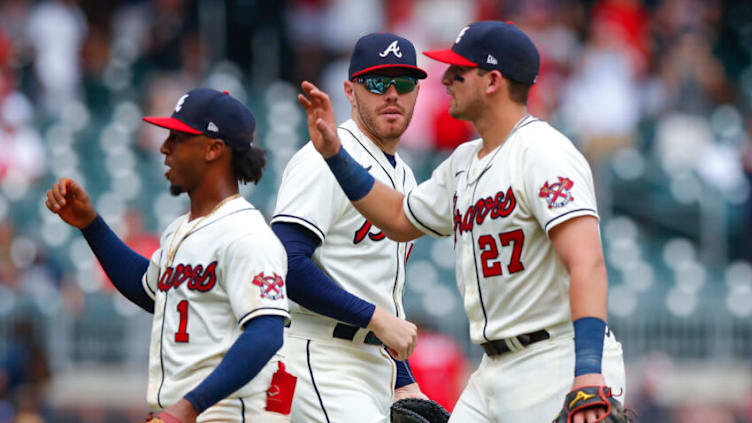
(123, 266)
(381, 205)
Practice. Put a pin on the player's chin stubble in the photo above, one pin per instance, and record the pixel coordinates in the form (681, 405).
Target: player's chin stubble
(388, 131)
(176, 190)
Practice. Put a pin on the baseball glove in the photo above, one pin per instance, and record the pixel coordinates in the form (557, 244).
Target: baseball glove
(416, 410)
(593, 397)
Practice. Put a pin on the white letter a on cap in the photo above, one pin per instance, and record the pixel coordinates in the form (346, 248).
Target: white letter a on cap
(180, 103)
(393, 48)
(459, 37)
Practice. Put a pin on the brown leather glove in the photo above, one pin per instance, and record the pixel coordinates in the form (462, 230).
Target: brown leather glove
(594, 397)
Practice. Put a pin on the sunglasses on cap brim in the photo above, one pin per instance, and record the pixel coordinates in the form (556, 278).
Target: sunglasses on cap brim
(379, 84)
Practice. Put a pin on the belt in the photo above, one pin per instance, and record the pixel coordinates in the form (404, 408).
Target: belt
(321, 328)
(347, 332)
(515, 343)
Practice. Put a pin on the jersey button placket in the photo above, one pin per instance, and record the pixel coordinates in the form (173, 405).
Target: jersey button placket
(468, 255)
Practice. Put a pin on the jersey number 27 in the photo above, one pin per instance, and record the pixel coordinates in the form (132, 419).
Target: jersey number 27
(490, 252)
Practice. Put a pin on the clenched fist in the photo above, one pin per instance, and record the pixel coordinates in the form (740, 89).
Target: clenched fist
(71, 202)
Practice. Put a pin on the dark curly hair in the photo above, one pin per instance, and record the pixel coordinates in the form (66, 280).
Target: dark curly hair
(248, 165)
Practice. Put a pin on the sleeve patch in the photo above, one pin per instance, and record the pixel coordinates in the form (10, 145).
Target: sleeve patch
(270, 286)
(557, 194)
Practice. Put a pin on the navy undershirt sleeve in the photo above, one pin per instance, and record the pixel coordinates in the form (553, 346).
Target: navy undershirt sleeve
(261, 339)
(404, 374)
(123, 266)
(310, 287)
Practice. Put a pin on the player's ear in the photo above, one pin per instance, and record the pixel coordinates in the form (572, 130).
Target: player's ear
(349, 92)
(496, 82)
(215, 148)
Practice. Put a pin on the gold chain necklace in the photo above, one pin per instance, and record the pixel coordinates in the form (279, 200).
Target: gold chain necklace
(172, 251)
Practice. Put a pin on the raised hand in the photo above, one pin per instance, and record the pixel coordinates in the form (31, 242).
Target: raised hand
(322, 126)
(71, 202)
(399, 336)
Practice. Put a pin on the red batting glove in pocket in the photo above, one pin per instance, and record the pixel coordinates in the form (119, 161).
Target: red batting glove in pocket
(280, 392)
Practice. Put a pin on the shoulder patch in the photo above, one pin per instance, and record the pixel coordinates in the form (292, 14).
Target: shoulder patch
(557, 194)
(270, 286)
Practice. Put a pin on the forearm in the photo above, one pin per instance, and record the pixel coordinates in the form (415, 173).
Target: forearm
(588, 290)
(577, 242)
(123, 266)
(261, 339)
(381, 205)
(588, 301)
(310, 287)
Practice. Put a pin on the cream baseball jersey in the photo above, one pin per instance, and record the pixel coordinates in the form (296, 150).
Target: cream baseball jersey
(353, 253)
(500, 209)
(225, 269)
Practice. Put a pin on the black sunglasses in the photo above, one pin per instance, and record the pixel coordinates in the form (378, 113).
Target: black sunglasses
(379, 84)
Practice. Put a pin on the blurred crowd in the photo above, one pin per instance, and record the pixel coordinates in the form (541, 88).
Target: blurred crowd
(635, 83)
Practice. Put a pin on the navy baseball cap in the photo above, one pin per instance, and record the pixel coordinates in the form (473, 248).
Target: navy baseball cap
(493, 45)
(383, 50)
(212, 113)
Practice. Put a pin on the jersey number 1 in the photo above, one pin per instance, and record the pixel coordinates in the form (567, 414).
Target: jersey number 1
(490, 252)
(182, 335)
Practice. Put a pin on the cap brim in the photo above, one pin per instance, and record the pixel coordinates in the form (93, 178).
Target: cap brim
(171, 123)
(449, 56)
(416, 71)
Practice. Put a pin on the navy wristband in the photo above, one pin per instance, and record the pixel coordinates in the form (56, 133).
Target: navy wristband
(355, 181)
(588, 345)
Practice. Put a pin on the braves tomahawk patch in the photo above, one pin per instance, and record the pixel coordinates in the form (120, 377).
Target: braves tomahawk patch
(558, 194)
(270, 286)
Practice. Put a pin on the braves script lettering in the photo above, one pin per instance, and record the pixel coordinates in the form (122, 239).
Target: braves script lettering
(499, 205)
(197, 278)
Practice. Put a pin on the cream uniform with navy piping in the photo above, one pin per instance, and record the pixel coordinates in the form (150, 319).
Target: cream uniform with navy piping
(310, 196)
(500, 209)
(209, 277)
(357, 256)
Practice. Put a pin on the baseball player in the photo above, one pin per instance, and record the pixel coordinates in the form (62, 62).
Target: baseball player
(216, 285)
(345, 278)
(520, 206)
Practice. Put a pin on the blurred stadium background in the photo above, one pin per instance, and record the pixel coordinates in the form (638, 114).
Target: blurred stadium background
(656, 93)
